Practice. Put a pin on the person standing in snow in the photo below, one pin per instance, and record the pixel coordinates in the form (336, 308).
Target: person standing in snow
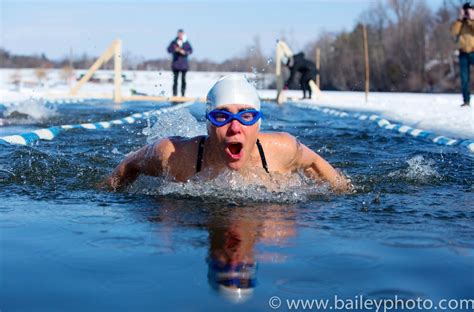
(307, 69)
(463, 29)
(180, 48)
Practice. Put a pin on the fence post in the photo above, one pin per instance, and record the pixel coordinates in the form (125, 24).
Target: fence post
(278, 76)
(118, 71)
(115, 50)
(366, 53)
(318, 66)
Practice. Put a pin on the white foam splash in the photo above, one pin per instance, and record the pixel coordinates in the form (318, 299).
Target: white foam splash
(31, 110)
(235, 186)
(175, 123)
(419, 170)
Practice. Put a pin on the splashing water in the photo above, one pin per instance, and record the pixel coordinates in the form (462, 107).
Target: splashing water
(252, 79)
(234, 187)
(419, 170)
(28, 111)
(176, 123)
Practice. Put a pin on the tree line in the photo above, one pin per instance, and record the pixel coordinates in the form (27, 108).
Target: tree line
(410, 49)
(253, 59)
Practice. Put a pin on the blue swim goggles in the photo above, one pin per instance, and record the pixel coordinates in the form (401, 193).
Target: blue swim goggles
(222, 117)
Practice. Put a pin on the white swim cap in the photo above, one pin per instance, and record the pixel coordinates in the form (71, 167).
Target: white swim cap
(230, 90)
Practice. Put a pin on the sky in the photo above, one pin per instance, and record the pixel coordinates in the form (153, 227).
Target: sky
(217, 30)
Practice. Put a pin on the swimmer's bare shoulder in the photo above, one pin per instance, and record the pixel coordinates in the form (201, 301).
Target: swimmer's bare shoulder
(169, 156)
(280, 148)
(289, 155)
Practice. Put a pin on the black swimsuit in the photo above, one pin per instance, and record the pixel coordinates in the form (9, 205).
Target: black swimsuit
(201, 154)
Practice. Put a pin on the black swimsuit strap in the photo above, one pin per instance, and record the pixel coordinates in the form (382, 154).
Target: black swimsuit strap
(200, 154)
(262, 156)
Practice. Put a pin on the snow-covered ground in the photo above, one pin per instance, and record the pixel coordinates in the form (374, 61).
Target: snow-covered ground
(439, 113)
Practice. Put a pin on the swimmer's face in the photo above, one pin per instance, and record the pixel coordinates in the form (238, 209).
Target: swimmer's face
(235, 140)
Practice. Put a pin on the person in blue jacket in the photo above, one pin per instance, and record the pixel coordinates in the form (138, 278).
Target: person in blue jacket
(180, 48)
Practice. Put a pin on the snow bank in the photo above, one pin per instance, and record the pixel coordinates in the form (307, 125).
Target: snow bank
(440, 113)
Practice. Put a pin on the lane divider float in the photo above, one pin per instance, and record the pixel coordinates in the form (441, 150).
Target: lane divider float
(50, 133)
(403, 129)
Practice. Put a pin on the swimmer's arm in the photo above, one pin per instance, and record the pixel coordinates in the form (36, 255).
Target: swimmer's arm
(318, 168)
(148, 160)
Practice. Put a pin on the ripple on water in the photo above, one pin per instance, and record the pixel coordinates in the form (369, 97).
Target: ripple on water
(87, 260)
(307, 286)
(96, 219)
(131, 284)
(390, 293)
(5, 209)
(463, 242)
(10, 224)
(128, 244)
(119, 242)
(414, 242)
(347, 261)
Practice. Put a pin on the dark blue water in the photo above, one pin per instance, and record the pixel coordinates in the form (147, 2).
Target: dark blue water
(407, 231)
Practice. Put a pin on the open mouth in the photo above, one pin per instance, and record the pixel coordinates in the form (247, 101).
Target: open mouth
(234, 150)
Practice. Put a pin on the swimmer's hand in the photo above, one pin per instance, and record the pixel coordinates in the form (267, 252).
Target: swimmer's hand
(147, 160)
(110, 184)
(342, 185)
(125, 173)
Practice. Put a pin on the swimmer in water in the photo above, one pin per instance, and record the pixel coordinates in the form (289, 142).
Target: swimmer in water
(233, 141)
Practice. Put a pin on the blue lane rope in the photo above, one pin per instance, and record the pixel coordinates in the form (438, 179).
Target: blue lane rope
(52, 132)
(385, 124)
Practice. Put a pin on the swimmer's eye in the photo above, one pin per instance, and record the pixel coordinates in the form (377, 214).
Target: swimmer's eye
(248, 116)
(220, 117)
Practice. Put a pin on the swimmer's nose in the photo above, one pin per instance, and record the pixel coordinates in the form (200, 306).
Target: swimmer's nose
(234, 127)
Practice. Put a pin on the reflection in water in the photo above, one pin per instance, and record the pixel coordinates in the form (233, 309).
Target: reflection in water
(231, 261)
(233, 234)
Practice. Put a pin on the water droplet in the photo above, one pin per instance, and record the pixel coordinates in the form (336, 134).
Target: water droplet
(115, 151)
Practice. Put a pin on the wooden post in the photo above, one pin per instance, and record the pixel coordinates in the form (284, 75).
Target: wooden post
(282, 49)
(70, 73)
(118, 72)
(115, 50)
(279, 81)
(318, 66)
(366, 52)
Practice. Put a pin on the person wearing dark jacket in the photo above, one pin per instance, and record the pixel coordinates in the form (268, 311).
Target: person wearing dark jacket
(298, 64)
(180, 49)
